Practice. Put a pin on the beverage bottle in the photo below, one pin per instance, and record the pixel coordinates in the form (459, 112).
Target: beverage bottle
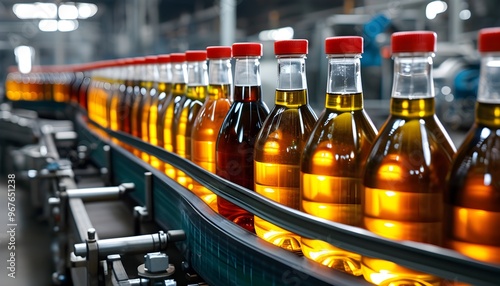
(78, 76)
(125, 100)
(335, 154)
(96, 75)
(236, 139)
(117, 90)
(179, 80)
(139, 91)
(282, 138)
(473, 194)
(148, 91)
(160, 99)
(84, 86)
(405, 173)
(13, 84)
(189, 107)
(209, 120)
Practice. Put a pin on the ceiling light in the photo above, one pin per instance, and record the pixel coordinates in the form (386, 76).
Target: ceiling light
(68, 12)
(434, 8)
(35, 11)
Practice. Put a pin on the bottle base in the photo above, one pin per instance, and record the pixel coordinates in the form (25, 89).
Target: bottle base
(331, 256)
(386, 273)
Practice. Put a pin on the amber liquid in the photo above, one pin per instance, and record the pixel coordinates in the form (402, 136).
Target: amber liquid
(125, 108)
(136, 113)
(178, 95)
(143, 114)
(83, 92)
(204, 136)
(117, 93)
(92, 99)
(277, 160)
(331, 175)
(473, 198)
(12, 87)
(162, 97)
(404, 185)
(183, 126)
(235, 146)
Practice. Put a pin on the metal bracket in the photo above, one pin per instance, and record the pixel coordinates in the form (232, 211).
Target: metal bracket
(59, 214)
(97, 250)
(107, 171)
(145, 213)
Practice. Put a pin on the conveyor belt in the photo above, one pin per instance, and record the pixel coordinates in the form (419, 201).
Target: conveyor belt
(225, 254)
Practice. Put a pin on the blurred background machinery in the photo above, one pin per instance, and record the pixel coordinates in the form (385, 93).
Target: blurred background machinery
(60, 32)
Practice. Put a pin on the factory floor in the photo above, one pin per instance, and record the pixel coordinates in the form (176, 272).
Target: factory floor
(33, 258)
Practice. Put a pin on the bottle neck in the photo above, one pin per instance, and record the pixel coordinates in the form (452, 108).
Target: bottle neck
(344, 74)
(413, 76)
(489, 83)
(197, 73)
(247, 82)
(165, 73)
(220, 79)
(344, 89)
(291, 73)
(219, 72)
(247, 72)
(179, 73)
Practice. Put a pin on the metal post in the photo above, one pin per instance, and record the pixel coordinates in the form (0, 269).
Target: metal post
(227, 22)
(455, 24)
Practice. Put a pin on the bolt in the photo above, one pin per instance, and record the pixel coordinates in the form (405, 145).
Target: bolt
(156, 262)
(91, 233)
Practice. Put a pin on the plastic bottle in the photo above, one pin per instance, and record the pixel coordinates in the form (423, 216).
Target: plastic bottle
(197, 81)
(335, 154)
(159, 101)
(280, 143)
(473, 195)
(405, 174)
(236, 139)
(209, 120)
(179, 80)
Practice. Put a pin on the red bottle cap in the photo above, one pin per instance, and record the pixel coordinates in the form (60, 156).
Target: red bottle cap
(128, 61)
(290, 47)
(177, 57)
(489, 40)
(219, 52)
(151, 59)
(139, 60)
(196, 56)
(163, 58)
(413, 41)
(344, 45)
(247, 49)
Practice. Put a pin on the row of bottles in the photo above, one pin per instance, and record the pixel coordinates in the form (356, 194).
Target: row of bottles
(404, 182)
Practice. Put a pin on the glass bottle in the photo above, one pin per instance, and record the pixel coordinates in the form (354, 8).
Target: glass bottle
(179, 80)
(236, 139)
(197, 81)
(473, 194)
(335, 154)
(161, 99)
(209, 120)
(405, 173)
(280, 142)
